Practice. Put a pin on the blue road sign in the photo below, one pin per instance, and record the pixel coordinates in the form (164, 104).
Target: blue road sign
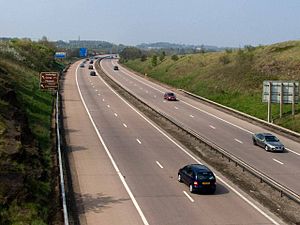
(83, 52)
(60, 55)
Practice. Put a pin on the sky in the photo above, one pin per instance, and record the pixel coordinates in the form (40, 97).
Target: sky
(222, 23)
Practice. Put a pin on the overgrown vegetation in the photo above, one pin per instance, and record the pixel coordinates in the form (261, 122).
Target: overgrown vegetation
(25, 126)
(233, 78)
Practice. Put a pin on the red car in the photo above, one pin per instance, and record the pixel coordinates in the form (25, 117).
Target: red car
(170, 96)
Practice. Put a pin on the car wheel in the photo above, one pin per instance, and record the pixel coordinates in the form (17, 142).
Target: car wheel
(266, 148)
(192, 188)
(179, 178)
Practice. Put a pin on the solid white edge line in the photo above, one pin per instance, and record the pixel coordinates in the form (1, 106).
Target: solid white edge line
(111, 158)
(278, 161)
(159, 165)
(188, 196)
(193, 157)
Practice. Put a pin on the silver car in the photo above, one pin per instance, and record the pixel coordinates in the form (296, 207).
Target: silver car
(268, 141)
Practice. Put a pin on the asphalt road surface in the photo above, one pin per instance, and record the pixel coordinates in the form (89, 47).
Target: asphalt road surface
(124, 168)
(230, 133)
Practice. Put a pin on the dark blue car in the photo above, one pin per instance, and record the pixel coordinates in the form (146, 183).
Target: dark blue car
(198, 177)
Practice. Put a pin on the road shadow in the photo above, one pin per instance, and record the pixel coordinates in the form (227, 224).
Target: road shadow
(96, 202)
(76, 148)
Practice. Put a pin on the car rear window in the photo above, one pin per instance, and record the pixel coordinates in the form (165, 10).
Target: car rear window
(205, 175)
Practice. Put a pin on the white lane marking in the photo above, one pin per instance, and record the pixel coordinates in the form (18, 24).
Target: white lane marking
(115, 114)
(99, 94)
(278, 161)
(96, 90)
(92, 83)
(175, 107)
(103, 100)
(210, 114)
(192, 116)
(138, 208)
(193, 157)
(138, 141)
(108, 106)
(154, 96)
(124, 125)
(293, 151)
(164, 101)
(159, 165)
(189, 197)
(212, 127)
(237, 140)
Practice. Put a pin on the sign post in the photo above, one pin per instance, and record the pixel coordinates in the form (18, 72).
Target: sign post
(49, 80)
(282, 92)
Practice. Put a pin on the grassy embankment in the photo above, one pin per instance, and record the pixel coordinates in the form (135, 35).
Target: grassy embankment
(26, 179)
(232, 78)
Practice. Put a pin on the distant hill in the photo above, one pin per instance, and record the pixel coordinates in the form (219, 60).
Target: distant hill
(167, 45)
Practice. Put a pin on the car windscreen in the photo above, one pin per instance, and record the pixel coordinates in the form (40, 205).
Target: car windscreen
(271, 139)
(170, 94)
(205, 176)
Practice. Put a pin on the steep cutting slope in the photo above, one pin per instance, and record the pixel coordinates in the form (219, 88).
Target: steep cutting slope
(26, 182)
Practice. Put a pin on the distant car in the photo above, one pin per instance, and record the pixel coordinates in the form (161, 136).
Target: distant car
(170, 96)
(91, 61)
(116, 68)
(82, 65)
(92, 73)
(91, 67)
(198, 177)
(268, 141)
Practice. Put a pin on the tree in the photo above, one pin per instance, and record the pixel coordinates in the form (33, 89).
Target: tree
(154, 60)
(162, 56)
(174, 57)
(130, 53)
(143, 58)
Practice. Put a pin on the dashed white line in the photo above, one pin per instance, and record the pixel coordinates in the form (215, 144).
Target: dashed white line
(124, 125)
(154, 96)
(176, 107)
(99, 94)
(190, 155)
(159, 165)
(191, 116)
(239, 141)
(138, 141)
(278, 161)
(189, 197)
(103, 100)
(96, 90)
(108, 106)
(212, 127)
(115, 114)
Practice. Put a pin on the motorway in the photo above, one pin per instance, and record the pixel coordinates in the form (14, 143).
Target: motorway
(124, 167)
(224, 130)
